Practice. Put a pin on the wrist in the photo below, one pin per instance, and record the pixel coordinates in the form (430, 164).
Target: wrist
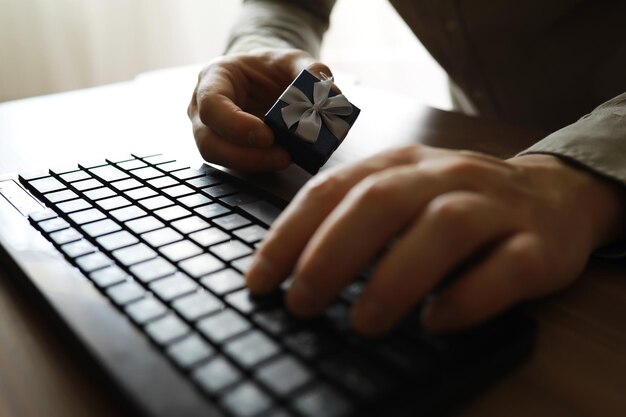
(599, 202)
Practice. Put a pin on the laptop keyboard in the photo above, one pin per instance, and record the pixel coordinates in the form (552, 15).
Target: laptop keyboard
(169, 246)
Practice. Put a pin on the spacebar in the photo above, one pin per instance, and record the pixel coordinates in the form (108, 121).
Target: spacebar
(262, 210)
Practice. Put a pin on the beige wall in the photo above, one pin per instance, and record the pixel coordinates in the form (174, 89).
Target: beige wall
(48, 46)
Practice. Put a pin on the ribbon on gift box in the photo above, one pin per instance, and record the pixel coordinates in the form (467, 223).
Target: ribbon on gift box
(310, 115)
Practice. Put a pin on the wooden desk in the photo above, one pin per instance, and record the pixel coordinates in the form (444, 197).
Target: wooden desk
(578, 367)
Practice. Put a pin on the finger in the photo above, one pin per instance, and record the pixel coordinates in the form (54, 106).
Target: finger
(216, 150)
(289, 235)
(375, 211)
(217, 108)
(493, 286)
(452, 228)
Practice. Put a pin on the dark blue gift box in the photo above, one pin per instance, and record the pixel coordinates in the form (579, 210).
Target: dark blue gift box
(310, 156)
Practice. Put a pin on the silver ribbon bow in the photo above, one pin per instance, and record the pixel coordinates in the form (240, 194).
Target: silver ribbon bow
(309, 116)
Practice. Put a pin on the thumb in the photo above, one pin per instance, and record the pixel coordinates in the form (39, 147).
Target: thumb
(317, 68)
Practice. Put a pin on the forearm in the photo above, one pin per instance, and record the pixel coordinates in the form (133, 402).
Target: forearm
(281, 24)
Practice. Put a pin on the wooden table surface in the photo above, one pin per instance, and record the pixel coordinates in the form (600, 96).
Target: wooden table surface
(578, 367)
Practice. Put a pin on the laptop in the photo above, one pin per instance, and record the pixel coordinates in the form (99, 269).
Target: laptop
(139, 261)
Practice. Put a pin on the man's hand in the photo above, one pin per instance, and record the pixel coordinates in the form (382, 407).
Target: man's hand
(509, 231)
(231, 97)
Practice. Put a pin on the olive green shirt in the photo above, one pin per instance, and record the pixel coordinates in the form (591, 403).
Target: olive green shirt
(535, 63)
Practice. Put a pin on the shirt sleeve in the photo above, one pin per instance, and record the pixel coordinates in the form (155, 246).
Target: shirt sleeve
(596, 141)
(281, 24)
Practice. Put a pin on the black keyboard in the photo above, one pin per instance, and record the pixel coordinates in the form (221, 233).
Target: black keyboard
(168, 245)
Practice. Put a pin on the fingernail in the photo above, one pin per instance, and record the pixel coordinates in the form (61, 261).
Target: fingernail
(436, 317)
(367, 316)
(259, 276)
(301, 299)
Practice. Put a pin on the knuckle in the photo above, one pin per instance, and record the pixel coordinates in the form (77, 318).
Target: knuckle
(379, 189)
(528, 262)
(410, 153)
(450, 210)
(324, 187)
(463, 167)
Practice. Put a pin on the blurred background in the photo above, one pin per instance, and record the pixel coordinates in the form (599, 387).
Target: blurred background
(52, 46)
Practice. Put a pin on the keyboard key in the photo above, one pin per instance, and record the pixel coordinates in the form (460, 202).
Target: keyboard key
(190, 225)
(117, 240)
(162, 182)
(126, 184)
(178, 191)
(216, 375)
(262, 210)
(108, 173)
(173, 287)
(74, 176)
(246, 400)
(275, 321)
(73, 205)
(144, 224)
(172, 166)
(203, 182)
(309, 344)
(161, 237)
(180, 250)
(100, 228)
(238, 199)
(34, 175)
(187, 173)
(322, 400)
(85, 185)
(157, 159)
(146, 173)
(140, 193)
(221, 190)
(92, 163)
(209, 237)
(284, 375)
(190, 351)
(224, 281)
(46, 185)
(125, 292)
(152, 269)
(222, 326)
(87, 216)
(251, 234)
(201, 265)
(230, 250)
(194, 200)
(196, 305)
(127, 213)
(243, 264)
(65, 236)
(53, 225)
(212, 210)
(146, 309)
(246, 303)
(41, 215)
(358, 375)
(99, 193)
(172, 213)
(60, 196)
(93, 261)
(251, 349)
(167, 329)
(113, 203)
(79, 248)
(108, 276)
(154, 203)
(134, 254)
(132, 164)
(231, 221)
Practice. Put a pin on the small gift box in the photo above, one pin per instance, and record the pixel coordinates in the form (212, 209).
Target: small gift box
(311, 120)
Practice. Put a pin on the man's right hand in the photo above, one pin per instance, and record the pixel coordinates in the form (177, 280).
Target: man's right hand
(229, 101)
